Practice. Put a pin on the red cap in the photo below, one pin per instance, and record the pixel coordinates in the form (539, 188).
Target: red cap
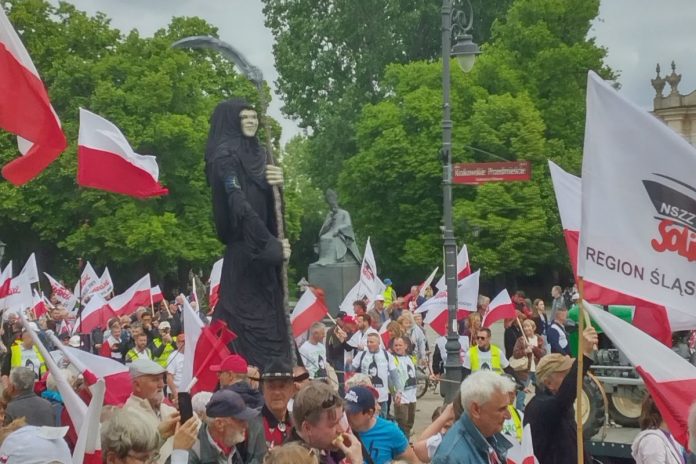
(348, 319)
(232, 363)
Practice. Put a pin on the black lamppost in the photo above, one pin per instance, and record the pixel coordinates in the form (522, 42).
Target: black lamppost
(457, 24)
(2, 250)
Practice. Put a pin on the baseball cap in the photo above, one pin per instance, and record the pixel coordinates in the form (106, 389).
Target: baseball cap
(226, 403)
(348, 319)
(164, 325)
(551, 363)
(387, 281)
(141, 367)
(232, 363)
(379, 298)
(359, 399)
(46, 445)
(75, 341)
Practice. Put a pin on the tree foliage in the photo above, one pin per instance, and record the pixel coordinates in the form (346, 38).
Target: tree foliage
(524, 99)
(161, 99)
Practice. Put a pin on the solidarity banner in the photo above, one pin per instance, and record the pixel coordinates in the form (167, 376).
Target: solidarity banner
(638, 202)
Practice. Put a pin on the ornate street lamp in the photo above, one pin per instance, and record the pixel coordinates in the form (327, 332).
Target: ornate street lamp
(457, 24)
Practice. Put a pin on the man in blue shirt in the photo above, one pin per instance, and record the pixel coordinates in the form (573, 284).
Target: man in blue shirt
(382, 440)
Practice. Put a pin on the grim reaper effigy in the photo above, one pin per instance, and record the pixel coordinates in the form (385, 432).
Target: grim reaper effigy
(251, 293)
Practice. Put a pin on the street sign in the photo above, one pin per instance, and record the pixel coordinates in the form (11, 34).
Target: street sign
(482, 173)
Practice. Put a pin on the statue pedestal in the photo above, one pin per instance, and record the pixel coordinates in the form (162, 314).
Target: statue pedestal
(336, 280)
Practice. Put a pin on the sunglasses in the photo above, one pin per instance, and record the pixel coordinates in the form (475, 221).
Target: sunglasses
(481, 338)
(328, 403)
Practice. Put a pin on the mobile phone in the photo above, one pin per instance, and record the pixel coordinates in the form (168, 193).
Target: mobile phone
(185, 407)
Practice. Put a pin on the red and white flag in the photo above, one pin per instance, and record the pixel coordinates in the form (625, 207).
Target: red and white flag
(463, 268)
(7, 272)
(104, 286)
(669, 378)
(467, 297)
(106, 161)
(501, 307)
(310, 308)
(522, 453)
(369, 285)
(95, 314)
(424, 286)
(30, 269)
(88, 280)
(156, 294)
(88, 446)
(193, 329)
(39, 307)
(25, 110)
(64, 296)
(94, 367)
(214, 292)
(651, 318)
(19, 296)
(137, 295)
(638, 202)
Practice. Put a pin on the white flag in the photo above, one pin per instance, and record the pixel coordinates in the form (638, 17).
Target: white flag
(88, 280)
(20, 296)
(30, 269)
(6, 273)
(64, 296)
(638, 232)
(370, 283)
(105, 286)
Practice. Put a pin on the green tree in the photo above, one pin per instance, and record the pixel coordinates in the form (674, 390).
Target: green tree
(524, 99)
(161, 99)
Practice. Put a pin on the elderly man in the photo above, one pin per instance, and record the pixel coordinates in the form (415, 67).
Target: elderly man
(383, 439)
(313, 352)
(25, 403)
(475, 437)
(556, 333)
(223, 429)
(147, 378)
(317, 414)
(550, 413)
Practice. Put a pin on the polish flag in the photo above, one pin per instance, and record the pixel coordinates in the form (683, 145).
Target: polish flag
(651, 318)
(5, 288)
(156, 294)
(463, 268)
(424, 286)
(467, 297)
(137, 295)
(88, 280)
(95, 314)
(25, 110)
(309, 309)
(30, 269)
(193, 327)
(106, 161)
(500, 308)
(210, 349)
(669, 378)
(88, 446)
(77, 409)
(7, 272)
(214, 292)
(522, 453)
(94, 367)
(39, 307)
(104, 286)
(64, 296)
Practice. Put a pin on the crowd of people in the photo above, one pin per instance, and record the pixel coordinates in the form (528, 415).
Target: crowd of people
(352, 398)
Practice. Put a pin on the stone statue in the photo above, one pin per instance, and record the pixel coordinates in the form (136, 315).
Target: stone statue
(336, 237)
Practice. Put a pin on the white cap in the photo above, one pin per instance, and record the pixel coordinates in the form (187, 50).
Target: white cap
(379, 297)
(75, 341)
(141, 367)
(36, 445)
(164, 325)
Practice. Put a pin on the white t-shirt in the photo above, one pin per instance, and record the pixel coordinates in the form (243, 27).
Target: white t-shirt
(30, 359)
(432, 444)
(359, 339)
(175, 366)
(314, 358)
(463, 344)
(377, 366)
(407, 373)
(485, 359)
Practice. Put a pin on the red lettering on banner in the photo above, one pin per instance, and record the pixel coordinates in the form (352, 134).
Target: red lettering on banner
(677, 238)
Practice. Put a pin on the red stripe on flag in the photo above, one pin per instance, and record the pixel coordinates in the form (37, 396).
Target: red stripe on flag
(107, 171)
(304, 320)
(25, 110)
(439, 324)
(673, 399)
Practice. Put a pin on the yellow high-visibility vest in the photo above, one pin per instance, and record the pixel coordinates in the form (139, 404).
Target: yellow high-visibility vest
(495, 359)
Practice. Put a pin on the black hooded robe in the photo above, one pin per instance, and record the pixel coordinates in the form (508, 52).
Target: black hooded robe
(251, 298)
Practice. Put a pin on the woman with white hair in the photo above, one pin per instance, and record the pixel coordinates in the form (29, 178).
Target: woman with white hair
(127, 436)
(476, 437)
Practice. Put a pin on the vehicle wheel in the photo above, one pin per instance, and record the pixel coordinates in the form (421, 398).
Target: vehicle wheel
(422, 382)
(592, 407)
(625, 406)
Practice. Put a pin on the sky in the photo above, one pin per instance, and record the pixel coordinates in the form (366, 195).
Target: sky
(637, 33)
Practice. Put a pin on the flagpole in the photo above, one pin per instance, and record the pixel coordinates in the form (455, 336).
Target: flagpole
(580, 376)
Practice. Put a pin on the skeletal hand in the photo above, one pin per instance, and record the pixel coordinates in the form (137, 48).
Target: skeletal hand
(274, 175)
(286, 249)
